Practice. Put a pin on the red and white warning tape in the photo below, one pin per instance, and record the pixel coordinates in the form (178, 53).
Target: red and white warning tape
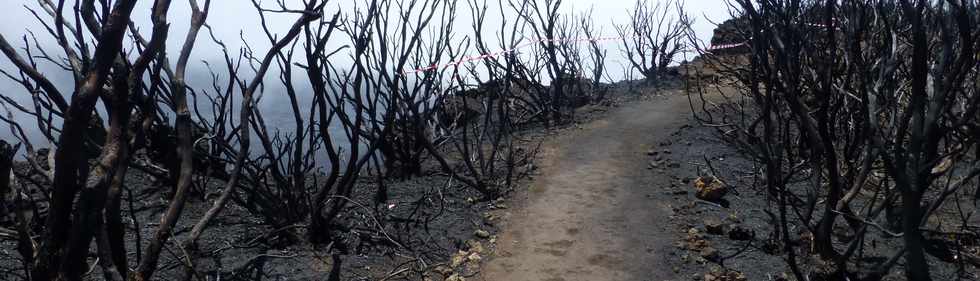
(725, 46)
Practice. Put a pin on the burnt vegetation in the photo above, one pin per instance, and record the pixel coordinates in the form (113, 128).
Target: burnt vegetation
(861, 118)
(135, 159)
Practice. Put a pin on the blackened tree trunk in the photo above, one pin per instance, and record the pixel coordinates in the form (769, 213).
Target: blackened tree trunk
(6, 164)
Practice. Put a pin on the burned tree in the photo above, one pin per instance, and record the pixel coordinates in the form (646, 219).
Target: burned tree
(654, 37)
(857, 112)
(353, 127)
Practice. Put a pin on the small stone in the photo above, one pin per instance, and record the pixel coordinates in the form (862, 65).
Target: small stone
(740, 233)
(680, 192)
(713, 226)
(455, 277)
(458, 259)
(652, 152)
(444, 270)
(482, 234)
(667, 151)
(710, 253)
(474, 257)
(692, 231)
(710, 188)
(474, 246)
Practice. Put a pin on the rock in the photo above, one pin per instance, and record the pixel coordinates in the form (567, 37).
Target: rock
(444, 270)
(474, 257)
(458, 259)
(740, 233)
(652, 152)
(710, 253)
(713, 226)
(699, 244)
(680, 192)
(710, 188)
(653, 165)
(667, 151)
(455, 277)
(474, 246)
(482, 234)
(694, 240)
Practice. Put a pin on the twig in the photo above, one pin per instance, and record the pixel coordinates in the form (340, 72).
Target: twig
(373, 217)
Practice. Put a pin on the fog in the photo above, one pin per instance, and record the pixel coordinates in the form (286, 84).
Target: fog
(237, 21)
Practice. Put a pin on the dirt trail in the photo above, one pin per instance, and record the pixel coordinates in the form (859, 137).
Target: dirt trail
(593, 213)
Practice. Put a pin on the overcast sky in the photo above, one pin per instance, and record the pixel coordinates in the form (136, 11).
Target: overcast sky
(229, 18)
(233, 20)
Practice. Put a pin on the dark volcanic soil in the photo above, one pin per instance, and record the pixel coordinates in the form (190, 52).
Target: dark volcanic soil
(615, 200)
(610, 198)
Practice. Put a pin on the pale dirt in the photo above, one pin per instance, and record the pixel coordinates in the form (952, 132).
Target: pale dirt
(592, 213)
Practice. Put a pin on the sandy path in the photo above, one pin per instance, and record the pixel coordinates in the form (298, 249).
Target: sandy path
(593, 213)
